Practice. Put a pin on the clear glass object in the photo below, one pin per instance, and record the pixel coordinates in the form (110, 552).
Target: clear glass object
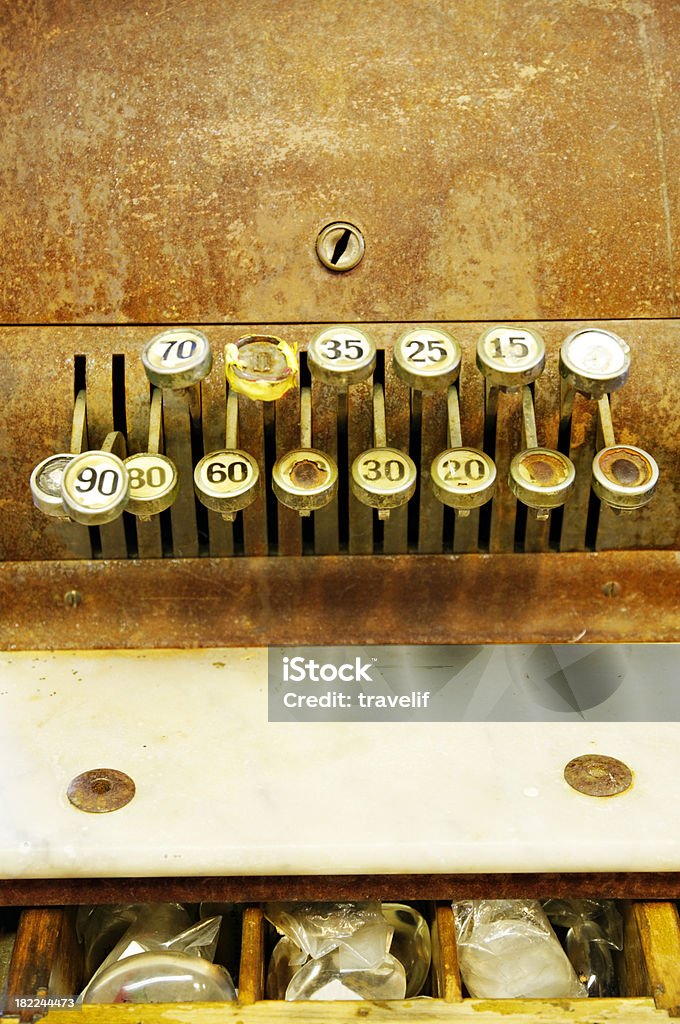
(336, 976)
(161, 978)
(411, 944)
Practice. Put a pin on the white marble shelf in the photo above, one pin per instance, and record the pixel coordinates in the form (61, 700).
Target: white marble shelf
(220, 790)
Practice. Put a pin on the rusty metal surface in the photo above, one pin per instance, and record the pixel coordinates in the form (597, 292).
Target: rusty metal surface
(598, 775)
(175, 162)
(390, 888)
(101, 790)
(570, 598)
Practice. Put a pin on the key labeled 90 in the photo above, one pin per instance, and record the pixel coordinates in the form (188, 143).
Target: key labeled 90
(95, 488)
(227, 480)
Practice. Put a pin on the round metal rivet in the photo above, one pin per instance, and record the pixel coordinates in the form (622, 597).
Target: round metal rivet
(340, 246)
(101, 790)
(598, 775)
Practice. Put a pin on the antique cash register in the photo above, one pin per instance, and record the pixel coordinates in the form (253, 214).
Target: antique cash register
(344, 327)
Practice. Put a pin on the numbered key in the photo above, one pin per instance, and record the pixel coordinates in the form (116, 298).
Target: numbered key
(154, 483)
(46, 485)
(463, 478)
(95, 487)
(261, 366)
(427, 359)
(305, 480)
(542, 479)
(227, 481)
(510, 357)
(341, 356)
(178, 358)
(383, 478)
(594, 361)
(624, 476)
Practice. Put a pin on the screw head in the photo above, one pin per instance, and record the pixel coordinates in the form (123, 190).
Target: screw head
(340, 246)
(101, 790)
(598, 775)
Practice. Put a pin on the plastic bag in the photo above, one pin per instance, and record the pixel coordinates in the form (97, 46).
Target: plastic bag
(507, 949)
(154, 928)
(336, 976)
(595, 928)
(358, 928)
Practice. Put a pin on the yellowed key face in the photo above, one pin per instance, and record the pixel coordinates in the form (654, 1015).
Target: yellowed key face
(594, 361)
(510, 357)
(46, 485)
(95, 488)
(341, 356)
(305, 479)
(463, 478)
(261, 366)
(177, 358)
(154, 483)
(227, 480)
(624, 476)
(541, 478)
(383, 478)
(427, 359)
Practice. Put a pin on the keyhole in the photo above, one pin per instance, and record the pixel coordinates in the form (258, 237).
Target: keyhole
(340, 246)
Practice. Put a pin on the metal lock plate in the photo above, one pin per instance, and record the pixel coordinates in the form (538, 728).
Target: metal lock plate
(463, 478)
(594, 361)
(510, 357)
(178, 358)
(305, 479)
(227, 480)
(427, 359)
(341, 356)
(95, 488)
(624, 476)
(541, 478)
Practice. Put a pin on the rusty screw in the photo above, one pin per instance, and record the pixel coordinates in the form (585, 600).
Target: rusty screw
(101, 790)
(72, 598)
(598, 775)
(340, 246)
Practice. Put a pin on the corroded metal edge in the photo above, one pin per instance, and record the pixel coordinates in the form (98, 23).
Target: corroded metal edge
(606, 597)
(257, 888)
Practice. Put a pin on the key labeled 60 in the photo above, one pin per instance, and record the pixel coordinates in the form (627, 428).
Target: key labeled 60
(227, 480)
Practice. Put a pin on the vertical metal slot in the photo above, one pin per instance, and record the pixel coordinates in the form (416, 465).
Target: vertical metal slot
(120, 423)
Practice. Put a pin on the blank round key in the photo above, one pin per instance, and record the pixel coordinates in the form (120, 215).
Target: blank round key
(624, 476)
(177, 358)
(463, 478)
(305, 479)
(95, 488)
(594, 361)
(46, 484)
(541, 478)
(341, 356)
(427, 359)
(227, 481)
(383, 478)
(510, 357)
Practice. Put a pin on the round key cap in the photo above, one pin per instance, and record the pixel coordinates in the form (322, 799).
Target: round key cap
(341, 356)
(427, 359)
(46, 485)
(261, 366)
(383, 478)
(510, 357)
(624, 476)
(305, 479)
(177, 358)
(541, 478)
(227, 481)
(95, 488)
(154, 484)
(463, 478)
(594, 361)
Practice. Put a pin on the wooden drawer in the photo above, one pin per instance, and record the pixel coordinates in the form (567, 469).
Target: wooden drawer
(47, 964)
